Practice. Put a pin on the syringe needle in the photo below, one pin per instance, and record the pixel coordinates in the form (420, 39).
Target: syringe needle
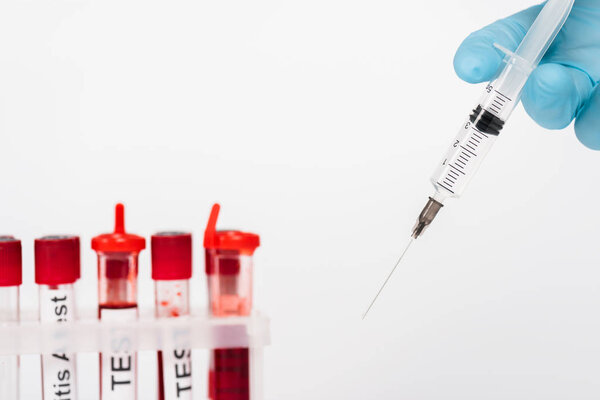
(389, 276)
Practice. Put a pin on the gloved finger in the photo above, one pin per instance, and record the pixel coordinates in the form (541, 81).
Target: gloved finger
(554, 94)
(587, 125)
(477, 60)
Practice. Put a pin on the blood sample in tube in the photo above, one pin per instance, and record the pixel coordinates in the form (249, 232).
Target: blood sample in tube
(171, 272)
(57, 268)
(10, 280)
(229, 274)
(117, 301)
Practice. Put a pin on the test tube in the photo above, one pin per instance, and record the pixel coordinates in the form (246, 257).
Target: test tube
(117, 301)
(57, 268)
(229, 275)
(10, 280)
(171, 271)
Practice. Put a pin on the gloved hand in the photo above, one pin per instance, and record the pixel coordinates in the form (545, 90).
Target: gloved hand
(565, 84)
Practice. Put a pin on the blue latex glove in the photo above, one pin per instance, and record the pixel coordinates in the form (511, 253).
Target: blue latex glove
(565, 84)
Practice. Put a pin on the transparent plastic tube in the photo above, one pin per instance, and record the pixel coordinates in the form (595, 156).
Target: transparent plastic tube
(230, 294)
(10, 279)
(57, 268)
(171, 272)
(175, 366)
(9, 365)
(57, 305)
(117, 301)
(229, 283)
(228, 256)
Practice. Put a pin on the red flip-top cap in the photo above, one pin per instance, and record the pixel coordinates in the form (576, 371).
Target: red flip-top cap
(10, 261)
(171, 255)
(119, 241)
(57, 260)
(244, 242)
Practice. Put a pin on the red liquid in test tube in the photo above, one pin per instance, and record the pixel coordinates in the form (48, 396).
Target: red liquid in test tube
(171, 271)
(229, 274)
(57, 268)
(117, 301)
(10, 280)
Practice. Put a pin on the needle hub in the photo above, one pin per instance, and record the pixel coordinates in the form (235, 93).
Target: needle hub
(426, 217)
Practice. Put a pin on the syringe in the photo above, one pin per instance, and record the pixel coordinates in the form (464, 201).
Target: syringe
(479, 132)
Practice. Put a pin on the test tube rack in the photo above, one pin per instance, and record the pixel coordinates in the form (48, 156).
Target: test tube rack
(196, 331)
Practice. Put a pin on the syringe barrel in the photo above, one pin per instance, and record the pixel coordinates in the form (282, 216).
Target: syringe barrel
(477, 134)
(465, 154)
(502, 94)
(479, 131)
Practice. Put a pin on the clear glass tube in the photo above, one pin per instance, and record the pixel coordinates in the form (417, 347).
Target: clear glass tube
(172, 299)
(117, 300)
(57, 305)
(230, 294)
(9, 365)
(117, 279)
(230, 283)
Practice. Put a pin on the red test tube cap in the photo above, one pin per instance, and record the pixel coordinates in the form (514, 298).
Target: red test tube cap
(57, 260)
(119, 241)
(10, 261)
(243, 242)
(171, 256)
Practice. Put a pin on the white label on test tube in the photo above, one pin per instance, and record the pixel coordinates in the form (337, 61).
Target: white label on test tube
(176, 364)
(58, 369)
(177, 374)
(119, 367)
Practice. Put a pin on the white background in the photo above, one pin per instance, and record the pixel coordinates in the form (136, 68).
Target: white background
(315, 123)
